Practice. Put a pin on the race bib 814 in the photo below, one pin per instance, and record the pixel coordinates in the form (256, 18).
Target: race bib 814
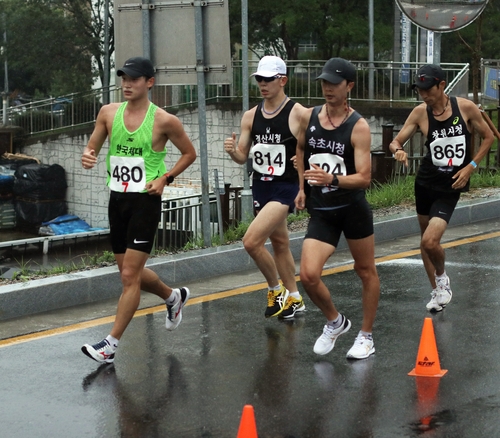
(269, 159)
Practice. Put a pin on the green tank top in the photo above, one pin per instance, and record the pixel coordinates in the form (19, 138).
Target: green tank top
(131, 160)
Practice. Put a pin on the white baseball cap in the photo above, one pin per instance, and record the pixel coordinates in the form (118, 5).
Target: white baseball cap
(270, 66)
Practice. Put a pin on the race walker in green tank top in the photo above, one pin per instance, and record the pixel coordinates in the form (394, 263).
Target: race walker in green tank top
(131, 160)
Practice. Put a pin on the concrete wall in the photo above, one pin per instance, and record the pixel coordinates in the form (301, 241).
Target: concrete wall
(87, 193)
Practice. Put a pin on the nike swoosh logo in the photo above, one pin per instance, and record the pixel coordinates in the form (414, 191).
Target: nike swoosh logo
(338, 71)
(140, 241)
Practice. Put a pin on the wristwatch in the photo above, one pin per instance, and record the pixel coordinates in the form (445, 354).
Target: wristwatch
(170, 178)
(335, 181)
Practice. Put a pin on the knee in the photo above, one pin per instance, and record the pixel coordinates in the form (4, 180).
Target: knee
(366, 272)
(428, 243)
(280, 244)
(129, 277)
(249, 244)
(309, 279)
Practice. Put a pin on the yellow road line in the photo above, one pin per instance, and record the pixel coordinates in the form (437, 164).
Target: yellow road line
(225, 294)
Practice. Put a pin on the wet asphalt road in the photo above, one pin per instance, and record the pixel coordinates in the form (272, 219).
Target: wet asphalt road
(195, 381)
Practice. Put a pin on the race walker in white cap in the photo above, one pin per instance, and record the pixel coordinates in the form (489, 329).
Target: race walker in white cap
(269, 132)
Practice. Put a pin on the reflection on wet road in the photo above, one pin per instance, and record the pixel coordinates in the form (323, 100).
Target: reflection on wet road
(195, 381)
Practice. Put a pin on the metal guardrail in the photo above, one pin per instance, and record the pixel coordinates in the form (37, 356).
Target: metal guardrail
(391, 86)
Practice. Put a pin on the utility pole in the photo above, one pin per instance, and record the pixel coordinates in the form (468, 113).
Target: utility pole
(5, 94)
(246, 193)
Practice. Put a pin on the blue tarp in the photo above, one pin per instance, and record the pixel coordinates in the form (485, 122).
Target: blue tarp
(65, 224)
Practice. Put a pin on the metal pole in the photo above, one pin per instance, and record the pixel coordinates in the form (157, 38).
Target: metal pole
(436, 53)
(6, 79)
(105, 78)
(146, 30)
(202, 123)
(370, 51)
(246, 193)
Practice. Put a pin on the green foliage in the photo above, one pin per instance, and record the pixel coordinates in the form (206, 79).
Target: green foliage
(395, 192)
(339, 28)
(28, 272)
(50, 45)
(296, 217)
(485, 179)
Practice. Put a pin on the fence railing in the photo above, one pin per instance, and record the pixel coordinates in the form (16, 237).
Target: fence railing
(387, 83)
(180, 221)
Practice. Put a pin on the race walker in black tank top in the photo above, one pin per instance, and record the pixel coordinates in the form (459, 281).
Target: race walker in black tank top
(449, 150)
(273, 146)
(331, 150)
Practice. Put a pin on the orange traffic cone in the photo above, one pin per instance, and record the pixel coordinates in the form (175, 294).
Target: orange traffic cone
(248, 428)
(427, 357)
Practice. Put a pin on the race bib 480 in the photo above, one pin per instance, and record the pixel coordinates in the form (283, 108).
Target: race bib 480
(128, 174)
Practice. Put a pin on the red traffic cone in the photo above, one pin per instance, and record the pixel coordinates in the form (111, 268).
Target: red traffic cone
(248, 427)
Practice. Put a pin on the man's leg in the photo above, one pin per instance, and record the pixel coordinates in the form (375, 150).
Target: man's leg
(131, 265)
(432, 252)
(175, 299)
(264, 224)
(270, 222)
(363, 252)
(314, 256)
(433, 256)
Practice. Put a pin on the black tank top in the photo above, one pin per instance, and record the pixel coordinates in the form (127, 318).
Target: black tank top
(335, 154)
(274, 162)
(449, 150)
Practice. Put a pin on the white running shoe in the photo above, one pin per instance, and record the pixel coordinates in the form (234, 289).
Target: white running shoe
(325, 343)
(174, 312)
(101, 352)
(362, 348)
(440, 296)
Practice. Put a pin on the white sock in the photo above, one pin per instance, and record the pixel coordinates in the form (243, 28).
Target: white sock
(336, 322)
(366, 334)
(440, 277)
(276, 288)
(112, 341)
(296, 295)
(174, 297)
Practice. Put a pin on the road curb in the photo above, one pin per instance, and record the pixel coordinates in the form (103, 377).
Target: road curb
(31, 297)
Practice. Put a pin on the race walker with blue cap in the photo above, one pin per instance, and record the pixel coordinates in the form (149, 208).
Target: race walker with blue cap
(446, 122)
(334, 166)
(269, 131)
(138, 132)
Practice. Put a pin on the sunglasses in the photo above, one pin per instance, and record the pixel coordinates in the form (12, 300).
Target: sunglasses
(262, 78)
(423, 78)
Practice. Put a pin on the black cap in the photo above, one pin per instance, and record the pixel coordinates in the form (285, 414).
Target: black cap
(336, 70)
(137, 67)
(427, 76)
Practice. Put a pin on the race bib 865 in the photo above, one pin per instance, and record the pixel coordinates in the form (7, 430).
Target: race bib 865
(448, 151)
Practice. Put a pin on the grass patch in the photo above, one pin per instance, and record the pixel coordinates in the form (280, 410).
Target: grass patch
(396, 192)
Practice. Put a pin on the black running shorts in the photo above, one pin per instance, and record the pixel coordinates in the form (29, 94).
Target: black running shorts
(133, 221)
(434, 203)
(354, 220)
(283, 192)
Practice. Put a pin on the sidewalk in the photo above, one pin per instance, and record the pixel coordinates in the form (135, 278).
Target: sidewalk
(64, 291)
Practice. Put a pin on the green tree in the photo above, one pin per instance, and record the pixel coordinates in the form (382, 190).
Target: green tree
(45, 51)
(87, 19)
(337, 27)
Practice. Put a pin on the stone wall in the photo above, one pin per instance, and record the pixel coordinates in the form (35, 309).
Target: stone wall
(87, 193)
